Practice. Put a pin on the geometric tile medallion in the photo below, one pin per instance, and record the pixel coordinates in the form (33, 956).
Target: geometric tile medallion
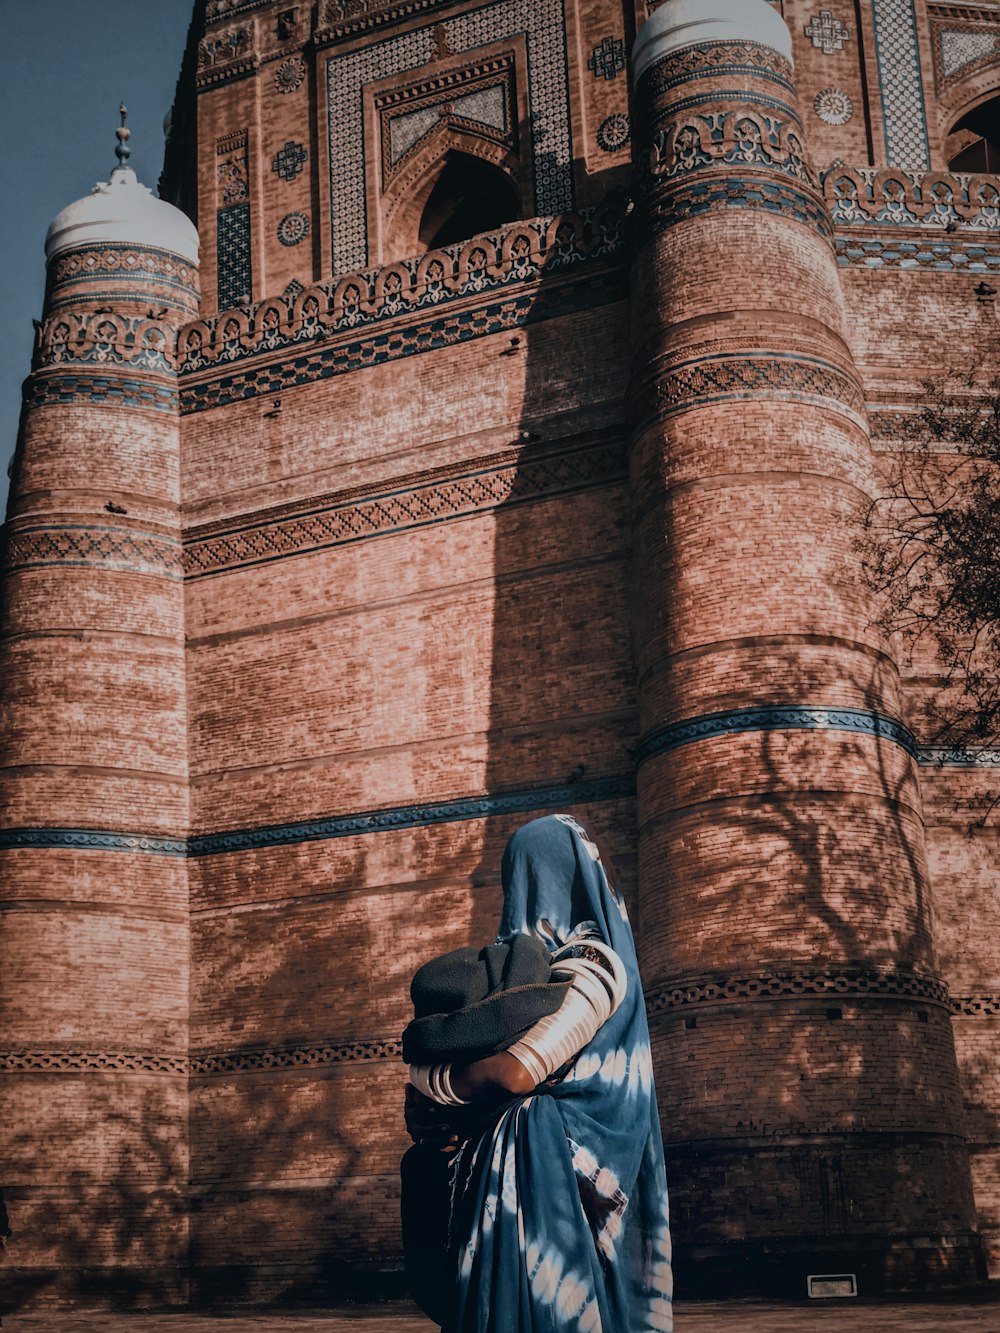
(289, 162)
(834, 106)
(607, 60)
(826, 32)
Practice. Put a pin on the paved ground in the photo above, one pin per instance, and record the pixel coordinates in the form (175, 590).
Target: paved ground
(959, 1316)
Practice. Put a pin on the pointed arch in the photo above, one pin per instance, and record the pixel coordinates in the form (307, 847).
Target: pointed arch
(457, 184)
(973, 142)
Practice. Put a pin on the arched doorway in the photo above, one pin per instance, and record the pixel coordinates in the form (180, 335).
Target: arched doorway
(974, 142)
(468, 197)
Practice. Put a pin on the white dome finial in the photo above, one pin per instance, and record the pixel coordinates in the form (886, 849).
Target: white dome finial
(682, 23)
(121, 211)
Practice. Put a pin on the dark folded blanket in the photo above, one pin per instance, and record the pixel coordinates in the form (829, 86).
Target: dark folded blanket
(472, 1003)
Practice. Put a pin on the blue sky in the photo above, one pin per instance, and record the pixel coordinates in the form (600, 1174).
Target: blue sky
(67, 64)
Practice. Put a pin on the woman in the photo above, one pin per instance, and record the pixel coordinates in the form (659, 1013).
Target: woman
(558, 1209)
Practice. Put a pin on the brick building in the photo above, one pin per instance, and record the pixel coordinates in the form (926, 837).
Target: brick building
(316, 589)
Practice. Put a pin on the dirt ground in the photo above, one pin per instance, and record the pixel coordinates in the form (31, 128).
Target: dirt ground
(980, 1314)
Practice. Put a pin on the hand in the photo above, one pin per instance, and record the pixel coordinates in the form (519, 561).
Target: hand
(427, 1123)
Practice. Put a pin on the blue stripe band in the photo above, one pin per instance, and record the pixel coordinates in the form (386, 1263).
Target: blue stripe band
(777, 718)
(621, 786)
(315, 830)
(414, 816)
(101, 840)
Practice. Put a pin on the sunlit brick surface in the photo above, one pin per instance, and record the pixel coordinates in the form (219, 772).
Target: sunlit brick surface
(309, 603)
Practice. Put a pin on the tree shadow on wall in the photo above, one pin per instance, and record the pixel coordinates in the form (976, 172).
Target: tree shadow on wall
(848, 1127)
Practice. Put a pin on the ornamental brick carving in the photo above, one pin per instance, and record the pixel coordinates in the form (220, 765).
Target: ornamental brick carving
(522, 251)
(796, 983)
(232, 169)
(487, 483)
(741, 138)
(89, 1062)
(227, 54)
(79, 544)
(869, 196)
(753, 376)
(337, 16)
(106, 340)
(718, 60)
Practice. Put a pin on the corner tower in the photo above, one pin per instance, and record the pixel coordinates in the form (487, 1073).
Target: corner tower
(93, 778)
(805, 1056)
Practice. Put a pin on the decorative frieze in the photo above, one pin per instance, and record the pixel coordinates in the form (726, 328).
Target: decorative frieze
(926, 253)
(846, 983)
(55, 390)
(526, 800)
(70, 336)
(710, 379)
(484, 484)
(520, 252)
(227, 54)
(316, 1055)
(853, 985)
(887, 196)
(855, 721)
(96, 269)
(126, 549)
(733, 61)
(343, 18)
(92, 1062)
(740, 137)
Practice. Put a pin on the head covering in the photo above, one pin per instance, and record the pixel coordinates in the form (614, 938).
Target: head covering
(560, 1208)
(472, 1002)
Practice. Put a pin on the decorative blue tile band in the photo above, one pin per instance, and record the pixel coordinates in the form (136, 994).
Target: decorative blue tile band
(45, 389)
(945, 256)
(618, 787)
(944, 756)
(414, 816)
(396, 341)
(99, 840)
(775, 718)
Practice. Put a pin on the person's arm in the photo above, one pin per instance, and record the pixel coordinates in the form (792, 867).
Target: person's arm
(599, 983)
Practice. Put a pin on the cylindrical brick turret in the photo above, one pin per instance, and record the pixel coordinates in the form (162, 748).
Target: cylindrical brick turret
(94, 767)
(803, 1043)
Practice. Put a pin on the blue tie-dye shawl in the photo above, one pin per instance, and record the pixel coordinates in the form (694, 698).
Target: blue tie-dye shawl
(560, 1207)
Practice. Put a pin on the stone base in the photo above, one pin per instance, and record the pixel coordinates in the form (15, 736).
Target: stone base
(778, 1269)
(290, 1286)
(98, 1288)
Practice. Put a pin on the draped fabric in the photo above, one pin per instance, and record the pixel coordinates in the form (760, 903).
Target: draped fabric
(559, 1211)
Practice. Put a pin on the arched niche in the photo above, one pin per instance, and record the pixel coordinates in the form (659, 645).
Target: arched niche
(973, 143)
(469, 196)
(457, 185)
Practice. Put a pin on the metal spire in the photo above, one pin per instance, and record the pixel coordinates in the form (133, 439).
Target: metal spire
(123, 134)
